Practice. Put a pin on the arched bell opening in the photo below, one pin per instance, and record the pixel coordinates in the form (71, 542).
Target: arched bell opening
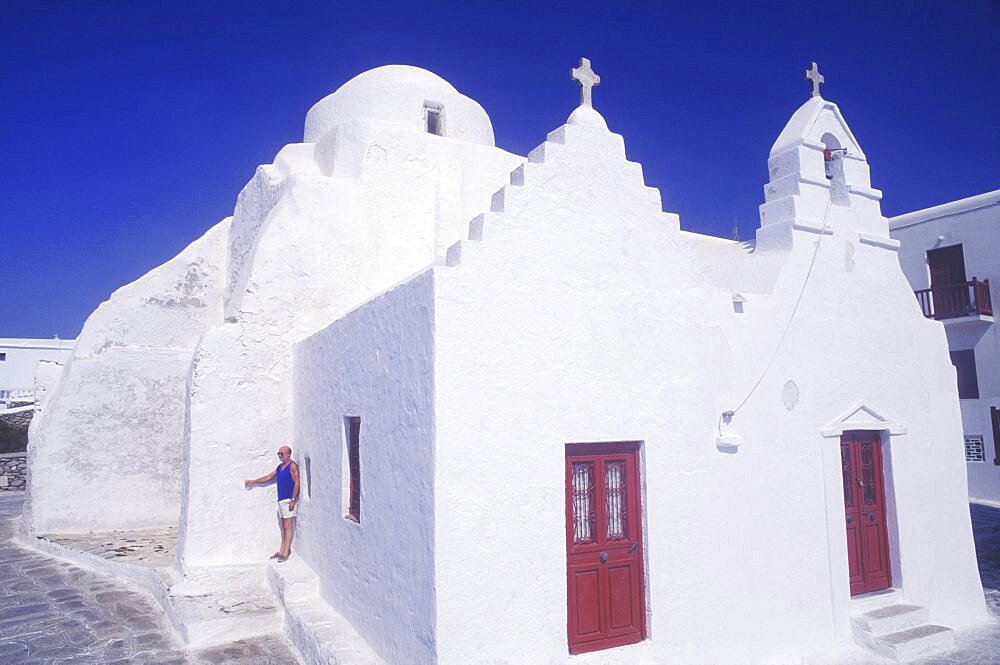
(833, 162)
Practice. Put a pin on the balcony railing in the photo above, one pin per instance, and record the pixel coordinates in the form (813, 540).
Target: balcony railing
(15, 396)
(950, 302)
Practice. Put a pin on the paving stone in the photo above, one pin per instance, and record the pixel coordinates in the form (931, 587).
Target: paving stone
(55, 612)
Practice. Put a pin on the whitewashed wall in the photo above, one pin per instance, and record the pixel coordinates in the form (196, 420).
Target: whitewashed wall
(378, 365)
(112, 428)
(975, 223)
(571, 321)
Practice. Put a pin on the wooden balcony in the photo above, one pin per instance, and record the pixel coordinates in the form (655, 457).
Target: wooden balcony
(956, 300)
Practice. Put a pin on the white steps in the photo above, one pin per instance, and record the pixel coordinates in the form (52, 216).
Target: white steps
(892, 628)
(891, 619)
(320, 634)
(220, 604)
(487, 223)
(922, 640)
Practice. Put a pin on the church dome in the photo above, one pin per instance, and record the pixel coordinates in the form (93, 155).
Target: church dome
(401, 97)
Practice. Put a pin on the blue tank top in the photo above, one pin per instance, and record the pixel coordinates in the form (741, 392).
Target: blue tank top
(285, 482)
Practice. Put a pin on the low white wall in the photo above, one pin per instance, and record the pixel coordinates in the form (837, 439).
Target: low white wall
(375, 364)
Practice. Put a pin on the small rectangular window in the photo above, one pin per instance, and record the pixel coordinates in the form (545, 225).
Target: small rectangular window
(309, 477)
(434, 118)
(995, 419)
(3, 356)
(352, 440)
(974, 449)
(434, 122)
(965, 366)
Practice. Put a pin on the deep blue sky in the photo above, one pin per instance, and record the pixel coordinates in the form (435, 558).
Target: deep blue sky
(128, 128)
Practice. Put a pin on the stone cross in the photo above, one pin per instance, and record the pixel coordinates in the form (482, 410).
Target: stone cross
(813, 75)
(587, 79)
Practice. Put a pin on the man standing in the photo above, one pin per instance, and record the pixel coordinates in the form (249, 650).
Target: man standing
(287, 473)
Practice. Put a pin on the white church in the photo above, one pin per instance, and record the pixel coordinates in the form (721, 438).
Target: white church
(537, 421)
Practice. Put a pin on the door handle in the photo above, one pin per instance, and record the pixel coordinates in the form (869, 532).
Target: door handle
(604, 557)
(634, 547)
(860, 484)
(871, 516)
(850, 519)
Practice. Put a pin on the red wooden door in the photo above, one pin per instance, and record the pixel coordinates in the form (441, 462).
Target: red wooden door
(949, 289)
(605, 590)
(864, 504)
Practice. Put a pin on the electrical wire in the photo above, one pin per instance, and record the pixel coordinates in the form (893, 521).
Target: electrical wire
(788, 325)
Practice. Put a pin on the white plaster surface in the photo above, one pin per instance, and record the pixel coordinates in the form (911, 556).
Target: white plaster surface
(48, 373)
(111, 430)
(975, 224)
(379, 574)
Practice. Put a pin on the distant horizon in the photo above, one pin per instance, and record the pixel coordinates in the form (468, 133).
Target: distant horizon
(130, 128)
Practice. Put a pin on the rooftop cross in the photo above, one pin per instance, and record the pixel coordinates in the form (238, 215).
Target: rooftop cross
(813, 75)
(587, 79)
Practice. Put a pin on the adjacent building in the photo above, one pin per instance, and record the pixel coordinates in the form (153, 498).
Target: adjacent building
(950, 254)
(19, 360)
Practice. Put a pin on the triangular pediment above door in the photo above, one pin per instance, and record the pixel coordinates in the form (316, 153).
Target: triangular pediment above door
(861, 415)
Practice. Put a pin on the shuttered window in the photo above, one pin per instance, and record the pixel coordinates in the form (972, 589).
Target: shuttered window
(965, 368)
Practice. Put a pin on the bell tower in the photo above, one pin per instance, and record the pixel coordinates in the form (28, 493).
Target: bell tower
(819, 179)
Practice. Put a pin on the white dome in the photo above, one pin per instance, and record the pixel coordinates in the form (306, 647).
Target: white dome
(396, 96)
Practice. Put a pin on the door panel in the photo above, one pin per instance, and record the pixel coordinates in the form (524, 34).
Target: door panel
(586, 624)
(946, 266)
(864, 511)
(620, 606)
(605, 595)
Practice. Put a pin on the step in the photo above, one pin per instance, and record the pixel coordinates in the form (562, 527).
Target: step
(498, 202)
(890, 619)
(320, 634)
(517, 176)
(221, 604)
(478, 224)
(461, 251)
(875, 600)
(923, 640)
(544, 151)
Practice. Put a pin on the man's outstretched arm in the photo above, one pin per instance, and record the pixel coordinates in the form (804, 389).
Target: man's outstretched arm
(257, 481)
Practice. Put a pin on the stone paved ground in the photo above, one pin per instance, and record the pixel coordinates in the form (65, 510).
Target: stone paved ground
(54, 612)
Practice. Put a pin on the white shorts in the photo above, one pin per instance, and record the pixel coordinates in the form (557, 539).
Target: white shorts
(284, 509)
